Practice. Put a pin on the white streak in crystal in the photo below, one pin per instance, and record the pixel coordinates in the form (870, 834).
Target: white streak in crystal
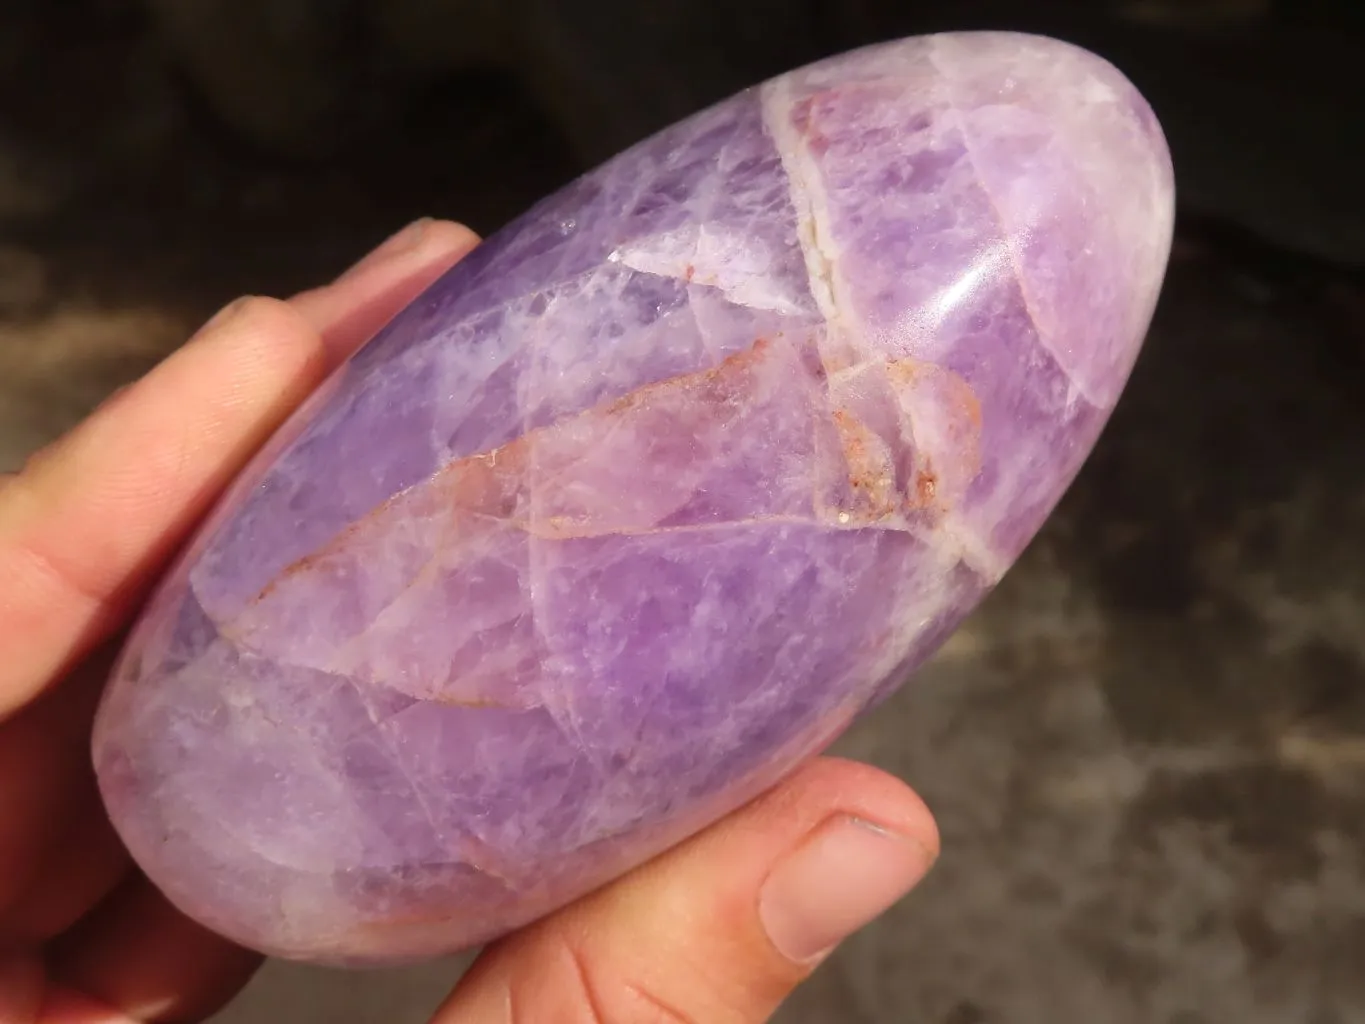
(952, 536)
(949, 535)
(724, 260)
(812, 214)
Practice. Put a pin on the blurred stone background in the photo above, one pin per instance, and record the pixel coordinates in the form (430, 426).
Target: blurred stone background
(1147, 750)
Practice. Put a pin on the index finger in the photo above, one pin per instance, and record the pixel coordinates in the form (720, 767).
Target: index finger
(85, 527)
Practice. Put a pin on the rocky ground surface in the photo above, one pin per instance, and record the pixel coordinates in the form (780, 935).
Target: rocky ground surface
(1147, 750)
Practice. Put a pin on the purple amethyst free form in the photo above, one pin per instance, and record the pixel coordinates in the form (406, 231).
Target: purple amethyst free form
(643, 502)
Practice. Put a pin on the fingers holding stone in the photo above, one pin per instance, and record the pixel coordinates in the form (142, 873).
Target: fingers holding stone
(722, 928)
(48, 802)
(83, 529)
(353, 308)
(89, 522)
(79, 869)
(140, 956)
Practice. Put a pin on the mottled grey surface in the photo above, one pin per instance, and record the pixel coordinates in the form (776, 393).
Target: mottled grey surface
(1147, 751)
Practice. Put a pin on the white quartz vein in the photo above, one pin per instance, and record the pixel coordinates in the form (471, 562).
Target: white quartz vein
(949, 535)
(811, 212)
(821, 259)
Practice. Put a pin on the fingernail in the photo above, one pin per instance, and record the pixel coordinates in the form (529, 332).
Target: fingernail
(409, 238)
(845, 874)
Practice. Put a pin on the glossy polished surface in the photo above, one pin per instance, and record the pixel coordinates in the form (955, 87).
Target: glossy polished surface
(642, 503)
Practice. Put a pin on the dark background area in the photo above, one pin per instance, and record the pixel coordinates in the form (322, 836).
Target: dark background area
(1147, 750)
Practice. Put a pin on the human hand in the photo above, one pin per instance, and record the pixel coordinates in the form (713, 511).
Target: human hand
(720, 929)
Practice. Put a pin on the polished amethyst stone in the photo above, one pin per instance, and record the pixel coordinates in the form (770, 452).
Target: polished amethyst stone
(642, 503)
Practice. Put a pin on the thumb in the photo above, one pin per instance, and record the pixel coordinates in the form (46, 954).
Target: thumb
(723, 927)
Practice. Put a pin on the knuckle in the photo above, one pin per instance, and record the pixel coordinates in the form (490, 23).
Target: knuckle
(255, 315)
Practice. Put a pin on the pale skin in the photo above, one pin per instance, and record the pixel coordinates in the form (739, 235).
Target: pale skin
(719, 930)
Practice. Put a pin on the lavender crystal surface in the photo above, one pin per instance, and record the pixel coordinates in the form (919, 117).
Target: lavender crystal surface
(643, 502)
